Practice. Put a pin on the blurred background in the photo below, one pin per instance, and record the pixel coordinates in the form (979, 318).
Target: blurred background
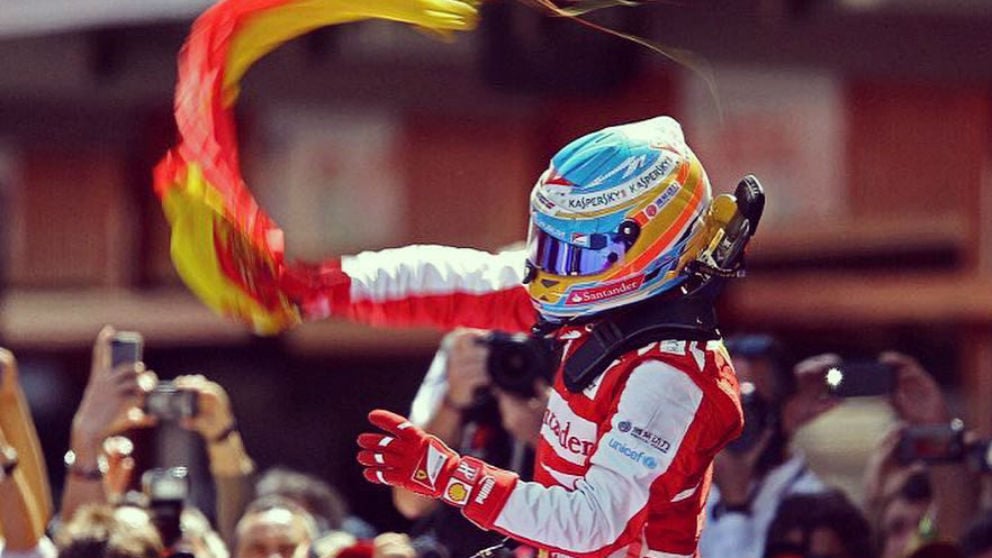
(869, 123)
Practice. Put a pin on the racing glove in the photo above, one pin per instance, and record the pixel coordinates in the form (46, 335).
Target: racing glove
(407, 457)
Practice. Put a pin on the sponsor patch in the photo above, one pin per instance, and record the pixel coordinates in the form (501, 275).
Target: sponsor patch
(570, 436)
(643, 435)
(456, 492)
(467, 471)
(646, 460)
(433, 463)
(604, 292)
(485, 489)
(672, 347)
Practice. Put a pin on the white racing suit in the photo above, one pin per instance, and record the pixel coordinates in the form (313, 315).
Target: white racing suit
(623, 467)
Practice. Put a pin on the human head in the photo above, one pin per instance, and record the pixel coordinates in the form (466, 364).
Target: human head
(313, 494)
(612, 219)
(761, 359)
(274, 527)
(900, 512)
(101, 531)
(976, 542)
(821, 525)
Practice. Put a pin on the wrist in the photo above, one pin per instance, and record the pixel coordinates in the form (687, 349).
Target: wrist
(229, 458)
(8, 461)
(84, 469)
(451, 404)
(223, 435)
(85, 440)
(489, 489)
(724, 507)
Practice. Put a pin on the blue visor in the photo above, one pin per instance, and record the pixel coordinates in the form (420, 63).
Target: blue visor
(558, 257)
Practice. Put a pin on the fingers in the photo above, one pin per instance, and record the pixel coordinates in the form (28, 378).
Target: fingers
(816, 365)
(761, 445)
(375, 441)
(386, 476)
(101, 351)
(376, 458)
(392, 423)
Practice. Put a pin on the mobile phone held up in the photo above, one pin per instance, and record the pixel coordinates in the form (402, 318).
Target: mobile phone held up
(125, 348)
(860, 379)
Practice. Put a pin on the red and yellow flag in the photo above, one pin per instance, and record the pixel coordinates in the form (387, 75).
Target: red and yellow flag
(224, 246)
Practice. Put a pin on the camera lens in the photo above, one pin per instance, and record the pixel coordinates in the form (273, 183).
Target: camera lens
(516, 361)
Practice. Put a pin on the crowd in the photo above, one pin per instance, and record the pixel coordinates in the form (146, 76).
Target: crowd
(623, 424)
(918, 498)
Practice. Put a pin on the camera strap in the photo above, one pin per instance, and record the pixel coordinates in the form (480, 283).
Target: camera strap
(690, 318)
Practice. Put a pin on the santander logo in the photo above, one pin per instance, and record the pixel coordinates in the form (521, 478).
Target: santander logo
(571, 436)
(608, 290)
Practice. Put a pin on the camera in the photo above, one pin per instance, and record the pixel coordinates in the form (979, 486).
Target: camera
(517, 360)
(170, 403)
(860, 379)
(941, 443)
(166, 491)
(758, 417)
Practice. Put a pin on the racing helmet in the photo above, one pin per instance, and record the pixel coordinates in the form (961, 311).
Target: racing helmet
(614, 219)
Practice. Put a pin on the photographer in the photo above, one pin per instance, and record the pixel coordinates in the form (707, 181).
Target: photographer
(758, 470)
(116, 399)
(455, 403)
(230, 466)
(914, 496)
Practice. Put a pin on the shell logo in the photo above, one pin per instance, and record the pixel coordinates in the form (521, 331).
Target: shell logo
(457, 492)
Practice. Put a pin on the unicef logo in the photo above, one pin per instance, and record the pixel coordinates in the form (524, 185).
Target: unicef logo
(624, 426)
(649, 462)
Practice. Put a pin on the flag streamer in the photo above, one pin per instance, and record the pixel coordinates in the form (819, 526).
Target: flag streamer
(224, 246)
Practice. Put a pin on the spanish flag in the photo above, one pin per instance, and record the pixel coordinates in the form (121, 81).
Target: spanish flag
(225, 247)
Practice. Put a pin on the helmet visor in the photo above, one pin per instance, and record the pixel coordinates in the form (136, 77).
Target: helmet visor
(557, 257)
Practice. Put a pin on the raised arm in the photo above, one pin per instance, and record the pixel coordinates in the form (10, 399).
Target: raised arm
(419, 285)
(20, 432)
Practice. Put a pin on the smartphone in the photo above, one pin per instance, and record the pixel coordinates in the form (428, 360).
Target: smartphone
(170, 403)
(860, 379)
(943, 443)
(167, 491)
(125, 348)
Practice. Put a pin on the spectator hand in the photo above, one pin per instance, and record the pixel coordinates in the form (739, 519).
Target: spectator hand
(120, 466)
(734, 471)
(523, 418)
(407, 457)
(214, 416)
(917, 398)
(810, 399)
(8, 377)
(392, 545)
(466, 367)
(113, 398)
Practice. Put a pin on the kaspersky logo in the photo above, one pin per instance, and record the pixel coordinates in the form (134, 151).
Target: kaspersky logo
(604, 292)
